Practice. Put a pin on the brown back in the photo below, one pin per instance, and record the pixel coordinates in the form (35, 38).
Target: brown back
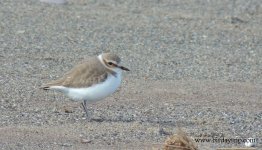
(85, 74)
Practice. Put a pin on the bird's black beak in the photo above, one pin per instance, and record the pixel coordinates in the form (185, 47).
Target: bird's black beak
(123, 68)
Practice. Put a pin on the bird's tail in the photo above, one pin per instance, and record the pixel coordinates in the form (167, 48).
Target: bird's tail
(48, 86)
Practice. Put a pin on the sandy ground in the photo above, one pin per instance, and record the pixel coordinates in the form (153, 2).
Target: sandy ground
(195, 65)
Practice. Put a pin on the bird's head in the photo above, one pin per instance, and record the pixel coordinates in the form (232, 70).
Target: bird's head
(112, 61)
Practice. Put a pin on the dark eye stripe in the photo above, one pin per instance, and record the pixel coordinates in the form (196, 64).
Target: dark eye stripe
(110, 63)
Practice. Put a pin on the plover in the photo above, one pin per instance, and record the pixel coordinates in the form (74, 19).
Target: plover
(92, 80)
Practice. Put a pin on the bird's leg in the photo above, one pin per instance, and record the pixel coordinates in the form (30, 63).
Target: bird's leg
(85, 109)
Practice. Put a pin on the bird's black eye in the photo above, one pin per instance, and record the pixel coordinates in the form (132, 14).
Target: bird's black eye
(110, 63)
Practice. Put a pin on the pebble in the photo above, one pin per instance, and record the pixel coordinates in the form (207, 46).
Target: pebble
(54, 1)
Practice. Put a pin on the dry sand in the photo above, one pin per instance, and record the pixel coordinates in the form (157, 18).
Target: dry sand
(196, 65)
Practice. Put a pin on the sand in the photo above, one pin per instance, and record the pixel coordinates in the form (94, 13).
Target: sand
(195, 65)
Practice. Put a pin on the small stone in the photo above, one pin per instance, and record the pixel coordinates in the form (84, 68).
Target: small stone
(85, 141)
(54, 1)
(161, 131)
(68, 110)
(55, 110)
(20, 32)
(66, 144)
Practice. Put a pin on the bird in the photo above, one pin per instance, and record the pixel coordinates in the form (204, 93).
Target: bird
(91, 80)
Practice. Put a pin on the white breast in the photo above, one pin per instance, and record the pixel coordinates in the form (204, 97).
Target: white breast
(95, 92)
